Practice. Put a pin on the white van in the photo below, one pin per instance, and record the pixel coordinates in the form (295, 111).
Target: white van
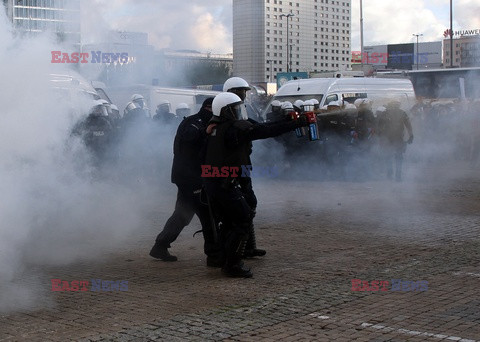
(153, 95)
(326, 90)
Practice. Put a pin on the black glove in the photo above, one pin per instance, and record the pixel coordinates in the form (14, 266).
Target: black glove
(410, 140)
(302, 120)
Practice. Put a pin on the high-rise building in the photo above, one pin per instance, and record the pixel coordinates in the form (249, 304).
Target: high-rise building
(466, 51)
(319, 37)
(33, 16)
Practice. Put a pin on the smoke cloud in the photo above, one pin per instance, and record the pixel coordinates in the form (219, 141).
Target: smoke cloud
(56, 206)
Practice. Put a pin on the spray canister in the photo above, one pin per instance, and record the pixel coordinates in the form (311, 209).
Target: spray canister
(312, 126)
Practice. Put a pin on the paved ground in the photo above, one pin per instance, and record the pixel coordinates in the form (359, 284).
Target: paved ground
(319, 236)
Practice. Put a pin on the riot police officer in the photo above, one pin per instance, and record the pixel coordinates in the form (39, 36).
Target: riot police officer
(164, 114)
(239, 87)
(136, 109)
(182, 111)
(228, 148)
(276, 113)
(96, 132)
(189, 140)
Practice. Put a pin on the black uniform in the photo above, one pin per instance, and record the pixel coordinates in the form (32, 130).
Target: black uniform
(230, 146)
(96, 132)
(165, 118)
(186, 171)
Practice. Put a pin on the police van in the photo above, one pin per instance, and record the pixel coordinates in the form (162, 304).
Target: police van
(325, 90)
(155, 95)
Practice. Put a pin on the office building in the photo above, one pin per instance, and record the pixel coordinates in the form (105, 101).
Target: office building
(31, 17)
(319, 37)
(466, 51)
(408, 56)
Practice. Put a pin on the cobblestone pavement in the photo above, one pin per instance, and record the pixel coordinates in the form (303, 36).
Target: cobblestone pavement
(319, 236)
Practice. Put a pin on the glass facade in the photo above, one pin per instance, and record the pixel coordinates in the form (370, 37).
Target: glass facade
(59, 16)
(271, 36)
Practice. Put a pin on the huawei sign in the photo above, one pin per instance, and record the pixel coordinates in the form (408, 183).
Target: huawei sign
(449, 33)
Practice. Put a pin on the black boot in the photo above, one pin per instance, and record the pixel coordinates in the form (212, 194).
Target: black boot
(251, 249)
(159, 251)
(234, 266)
(237, 271)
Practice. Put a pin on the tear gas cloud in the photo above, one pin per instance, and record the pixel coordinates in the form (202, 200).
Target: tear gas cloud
(444, 139)
(56, 207)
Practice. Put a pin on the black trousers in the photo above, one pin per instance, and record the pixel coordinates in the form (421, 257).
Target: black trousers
(234, 211)
(190, 202)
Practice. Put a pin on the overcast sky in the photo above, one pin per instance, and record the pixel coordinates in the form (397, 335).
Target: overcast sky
(206, 25)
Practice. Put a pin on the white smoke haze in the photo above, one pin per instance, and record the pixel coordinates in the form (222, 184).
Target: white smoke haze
(204, 26)
(56, 208)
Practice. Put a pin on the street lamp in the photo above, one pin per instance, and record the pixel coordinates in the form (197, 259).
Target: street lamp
(417, 35)
(288, 16)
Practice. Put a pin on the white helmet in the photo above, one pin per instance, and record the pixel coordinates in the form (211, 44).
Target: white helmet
(298, 104)
(183, 106)
(394, 104)
(351, 109)
(381, 109)
(182, 110)
(99, 108)
(308, 105)
(164, 104)
(235, 82)
(276, 103)
(136, 97)
(362, 102)
(287, 105)
(226, 99)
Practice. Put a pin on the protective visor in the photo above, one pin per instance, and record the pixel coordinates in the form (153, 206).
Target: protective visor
(238, 111)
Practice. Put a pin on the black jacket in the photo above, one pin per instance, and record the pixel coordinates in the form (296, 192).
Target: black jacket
(230, 145)
(187, 149)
